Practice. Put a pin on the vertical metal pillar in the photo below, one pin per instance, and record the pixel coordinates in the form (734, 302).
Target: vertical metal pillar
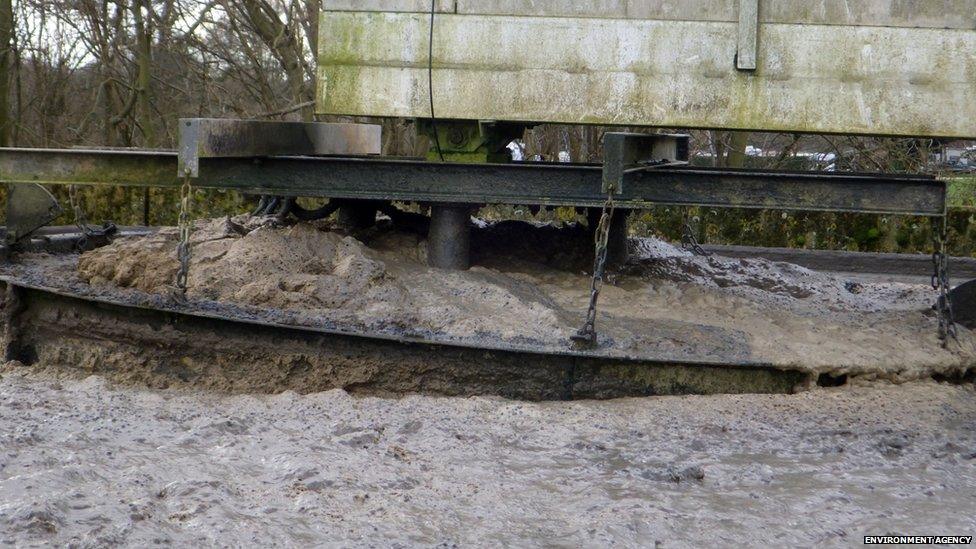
(449, 240)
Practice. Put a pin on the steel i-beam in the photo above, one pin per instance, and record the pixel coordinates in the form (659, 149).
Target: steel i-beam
(458, 188)
(474, 184)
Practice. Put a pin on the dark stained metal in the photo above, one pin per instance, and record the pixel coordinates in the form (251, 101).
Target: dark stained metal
(963, 299)
(474, 184)
(510, 370)
(29, 207)
(226, 138)
(449, 241)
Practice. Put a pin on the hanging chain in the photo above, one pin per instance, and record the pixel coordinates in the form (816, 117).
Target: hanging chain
(689, 242)
(587, 336)
(185, 227)
(941, 284)
(81, 220)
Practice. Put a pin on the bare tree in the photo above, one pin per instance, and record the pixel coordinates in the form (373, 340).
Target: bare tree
(6, 68)
(281, 31)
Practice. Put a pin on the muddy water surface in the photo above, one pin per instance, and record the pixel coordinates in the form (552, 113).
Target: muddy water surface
(85, 463)
(529, 288)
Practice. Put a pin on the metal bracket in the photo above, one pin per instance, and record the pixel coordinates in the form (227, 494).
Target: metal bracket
(29, 207)
(747, 53)
(624, 153)
(221, 138)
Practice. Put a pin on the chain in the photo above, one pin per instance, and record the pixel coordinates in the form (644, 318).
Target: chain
(689, 242)
(586, 336)
(81, 220)
(941, 284)
(183, 249)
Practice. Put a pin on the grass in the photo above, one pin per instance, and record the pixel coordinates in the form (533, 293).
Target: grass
(962, 192)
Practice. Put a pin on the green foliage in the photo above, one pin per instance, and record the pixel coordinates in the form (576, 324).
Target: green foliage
(962, 192)
(125, 205)
(811, 230)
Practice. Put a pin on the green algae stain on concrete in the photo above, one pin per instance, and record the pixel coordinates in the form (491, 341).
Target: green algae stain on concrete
(811, 78)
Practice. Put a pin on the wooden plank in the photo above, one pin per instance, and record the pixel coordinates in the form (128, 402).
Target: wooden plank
(748, 35)
(809, 78)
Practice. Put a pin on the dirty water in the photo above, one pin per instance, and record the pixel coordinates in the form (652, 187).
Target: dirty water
(529, 286)
(87, 464)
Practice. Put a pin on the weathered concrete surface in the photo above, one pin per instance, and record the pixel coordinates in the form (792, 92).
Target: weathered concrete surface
(833, 78)
(936, 14)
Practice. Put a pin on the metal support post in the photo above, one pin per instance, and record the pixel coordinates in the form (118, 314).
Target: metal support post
(449, 241)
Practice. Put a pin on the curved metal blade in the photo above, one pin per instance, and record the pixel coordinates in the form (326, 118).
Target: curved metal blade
(29, 207)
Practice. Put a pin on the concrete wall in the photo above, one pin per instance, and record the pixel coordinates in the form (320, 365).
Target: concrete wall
(887, 67)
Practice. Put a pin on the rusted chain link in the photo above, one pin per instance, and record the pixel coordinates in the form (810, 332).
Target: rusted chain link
(689, 242)
(942, 284)
(185, 228)
(85, 231)
(587, 335)
(80, 219)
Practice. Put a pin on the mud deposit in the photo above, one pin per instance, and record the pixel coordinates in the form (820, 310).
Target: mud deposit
(88, 464)
(529, 287)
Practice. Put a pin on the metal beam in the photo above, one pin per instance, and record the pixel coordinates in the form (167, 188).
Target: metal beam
(521, 183)
(227, 138)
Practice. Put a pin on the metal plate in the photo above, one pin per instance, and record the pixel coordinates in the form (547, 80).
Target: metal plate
(29, 207)
(224, 138)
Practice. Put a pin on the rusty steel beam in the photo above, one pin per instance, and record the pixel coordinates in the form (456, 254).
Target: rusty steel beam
(474, 184)
(226, 138)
